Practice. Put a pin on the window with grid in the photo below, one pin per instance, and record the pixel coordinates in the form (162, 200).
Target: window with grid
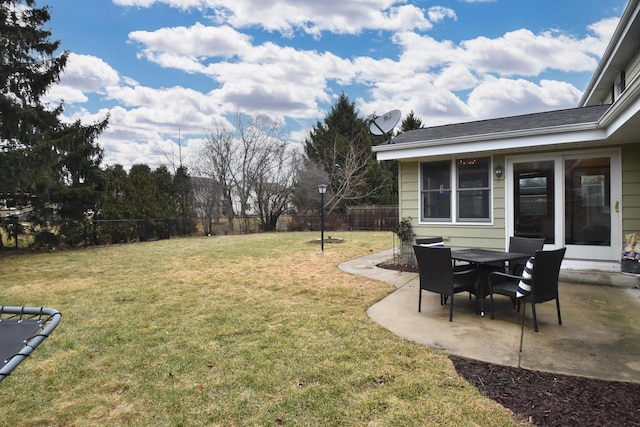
(473, 189)
(460, 189)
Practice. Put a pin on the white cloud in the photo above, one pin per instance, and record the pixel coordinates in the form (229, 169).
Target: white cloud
(88, 73)
(434, 104)
(603, 31)
(422, 52)
(83, 74)
(481, 77)
(312, 17)
(167, 109)
(501, 97)
(442, 81)
(456, 77)
(439, 13)
(66, 94)
(524, 53)
(138, 136)
(195, 41)
(267, 78)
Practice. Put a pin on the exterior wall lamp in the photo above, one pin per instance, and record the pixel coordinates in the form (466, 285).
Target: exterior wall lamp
(499, 170)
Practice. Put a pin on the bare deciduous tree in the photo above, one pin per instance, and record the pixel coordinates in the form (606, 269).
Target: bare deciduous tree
(208, 201)
(273, 182)
(351, 177)
(214, 165)
(341, 147)
(347, 165)
(253, 168)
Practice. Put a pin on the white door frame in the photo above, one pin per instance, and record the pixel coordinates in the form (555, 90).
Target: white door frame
(579, 253)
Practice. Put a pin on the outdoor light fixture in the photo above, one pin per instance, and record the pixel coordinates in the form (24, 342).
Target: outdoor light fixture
(322, 188)
(498, 171)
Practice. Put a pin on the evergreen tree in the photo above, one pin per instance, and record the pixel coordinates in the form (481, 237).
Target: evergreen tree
(185, 200)
(116, 188)
(164, 200)
(183, 188)
(341, 127)
(340, 147)
(411, 122)
(42, 160)
(140, 195)
(81, 186)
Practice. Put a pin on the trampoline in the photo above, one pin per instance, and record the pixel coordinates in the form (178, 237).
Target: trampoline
(22, 330)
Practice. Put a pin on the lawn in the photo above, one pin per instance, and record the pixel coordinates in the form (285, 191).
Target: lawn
(259, 330)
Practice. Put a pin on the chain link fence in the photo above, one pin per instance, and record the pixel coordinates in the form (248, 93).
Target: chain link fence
(27, 234)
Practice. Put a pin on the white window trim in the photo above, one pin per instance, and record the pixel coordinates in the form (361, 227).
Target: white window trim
(454, 195)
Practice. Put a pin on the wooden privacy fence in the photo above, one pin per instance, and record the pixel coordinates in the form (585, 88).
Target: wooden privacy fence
(379, 218)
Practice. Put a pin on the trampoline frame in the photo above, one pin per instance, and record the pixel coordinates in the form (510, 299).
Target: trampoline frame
(49, 318)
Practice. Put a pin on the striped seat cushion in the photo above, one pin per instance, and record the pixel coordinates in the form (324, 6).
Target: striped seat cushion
(524, 286)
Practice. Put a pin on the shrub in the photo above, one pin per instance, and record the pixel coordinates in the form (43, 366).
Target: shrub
(405, 230)
(47, 239)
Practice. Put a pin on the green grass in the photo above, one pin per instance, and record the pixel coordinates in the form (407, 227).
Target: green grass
(256, 330)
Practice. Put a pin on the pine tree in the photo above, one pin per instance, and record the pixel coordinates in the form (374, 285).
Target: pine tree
(185, 200)
(42, 159)
(411, 122)
(340, 147)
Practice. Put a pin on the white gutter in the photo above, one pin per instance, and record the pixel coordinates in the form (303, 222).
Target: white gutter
(628, 17)
(620, 111)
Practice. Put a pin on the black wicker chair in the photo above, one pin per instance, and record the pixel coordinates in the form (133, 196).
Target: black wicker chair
(437, 275)
(523, 245)
(544, 283)
(429, 240)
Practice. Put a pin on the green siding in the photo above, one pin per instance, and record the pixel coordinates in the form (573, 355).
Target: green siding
(630, 189)
(409, 191)
(490, 236)
(633, 70)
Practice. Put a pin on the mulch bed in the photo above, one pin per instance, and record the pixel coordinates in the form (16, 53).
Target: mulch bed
(399, 267)
(548, 399)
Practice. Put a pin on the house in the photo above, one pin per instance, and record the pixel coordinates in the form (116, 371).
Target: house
(571, 176)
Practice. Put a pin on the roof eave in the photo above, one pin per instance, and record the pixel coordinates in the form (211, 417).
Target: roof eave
(610, 52)
(501, 141)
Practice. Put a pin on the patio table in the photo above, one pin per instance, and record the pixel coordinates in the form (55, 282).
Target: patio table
(485, 261)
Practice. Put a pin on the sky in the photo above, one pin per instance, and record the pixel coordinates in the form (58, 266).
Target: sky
(169, 72)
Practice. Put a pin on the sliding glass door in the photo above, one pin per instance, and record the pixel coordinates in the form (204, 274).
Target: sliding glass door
(588, 201)
(534, 199)
(571, 200)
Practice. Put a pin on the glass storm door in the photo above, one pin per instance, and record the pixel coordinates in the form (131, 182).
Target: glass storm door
(534, 200)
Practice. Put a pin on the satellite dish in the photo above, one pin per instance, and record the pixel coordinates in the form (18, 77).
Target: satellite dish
(381, 125)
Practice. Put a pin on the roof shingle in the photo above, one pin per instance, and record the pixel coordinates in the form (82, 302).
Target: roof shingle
(547, 119)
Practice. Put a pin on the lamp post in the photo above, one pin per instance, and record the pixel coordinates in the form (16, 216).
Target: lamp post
(322, 188)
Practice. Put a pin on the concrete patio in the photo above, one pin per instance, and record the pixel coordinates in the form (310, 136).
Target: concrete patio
(599, 336)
